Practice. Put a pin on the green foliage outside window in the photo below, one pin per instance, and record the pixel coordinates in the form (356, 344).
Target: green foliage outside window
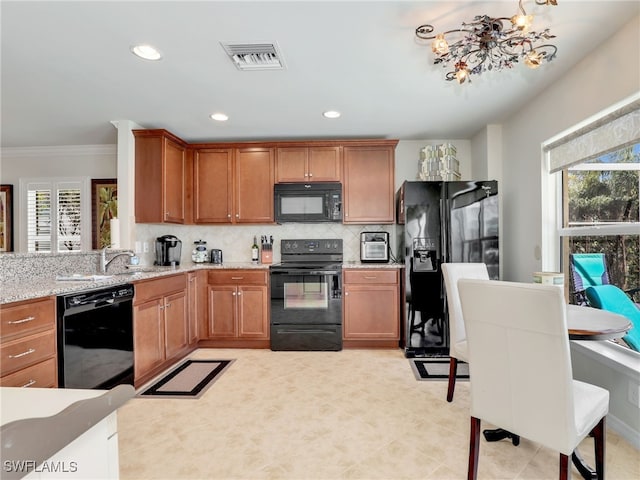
(601, 196)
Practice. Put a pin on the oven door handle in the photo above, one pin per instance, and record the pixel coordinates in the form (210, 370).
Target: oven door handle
(305, 272)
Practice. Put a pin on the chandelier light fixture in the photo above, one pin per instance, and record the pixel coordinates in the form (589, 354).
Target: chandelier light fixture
(490, 43)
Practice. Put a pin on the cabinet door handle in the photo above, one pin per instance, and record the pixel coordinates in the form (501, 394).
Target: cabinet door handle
(237, 215)
(28, 352)
(346, 293)
(239, 293)
(161, 307)
(22, 320)
(233, 293)
(310, 175)
(228, 215)
(28, 384)
(167, 305)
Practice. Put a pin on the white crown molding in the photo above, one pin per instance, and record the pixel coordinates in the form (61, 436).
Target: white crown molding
(58, 151)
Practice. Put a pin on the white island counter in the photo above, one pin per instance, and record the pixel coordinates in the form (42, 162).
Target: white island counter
(50, 433)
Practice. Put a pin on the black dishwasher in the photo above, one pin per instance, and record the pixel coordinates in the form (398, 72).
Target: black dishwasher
(95, 338)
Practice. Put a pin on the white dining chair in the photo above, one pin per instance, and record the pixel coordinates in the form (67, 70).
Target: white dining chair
(520, 368)
(452, 272)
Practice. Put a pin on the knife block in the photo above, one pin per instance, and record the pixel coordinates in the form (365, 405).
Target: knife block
(266, 256)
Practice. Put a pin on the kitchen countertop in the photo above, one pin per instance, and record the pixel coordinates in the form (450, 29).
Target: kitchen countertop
(36, 287)
(56, 417)
(372, 265)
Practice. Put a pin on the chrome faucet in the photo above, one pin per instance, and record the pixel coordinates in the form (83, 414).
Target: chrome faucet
(104, 263)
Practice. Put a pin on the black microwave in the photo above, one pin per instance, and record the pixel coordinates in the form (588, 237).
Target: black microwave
(308, 202)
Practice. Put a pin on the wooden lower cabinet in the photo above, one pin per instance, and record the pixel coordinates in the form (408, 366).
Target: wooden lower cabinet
(238, 309)
(160, 327)
(197, 303)
(371, 308)
(148, 345)
(28, 354)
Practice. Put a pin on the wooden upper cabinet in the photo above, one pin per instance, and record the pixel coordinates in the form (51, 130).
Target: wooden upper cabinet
(213, 185)
(160, 177)
(253, 182)
(369, 183)
(233, 185)
(308, 164)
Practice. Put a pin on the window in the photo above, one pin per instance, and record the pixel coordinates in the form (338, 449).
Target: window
(600, 204)
(591, 175)
(56, 217)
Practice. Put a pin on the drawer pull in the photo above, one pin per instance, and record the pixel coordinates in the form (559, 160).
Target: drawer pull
(237, 278)
(23, 320)
(28, 352)
(370, 277)
(28, 384)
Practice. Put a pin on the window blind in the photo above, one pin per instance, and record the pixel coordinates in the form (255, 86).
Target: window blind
(69, 217)
(39, 218)
(618, 129)
(54, 216)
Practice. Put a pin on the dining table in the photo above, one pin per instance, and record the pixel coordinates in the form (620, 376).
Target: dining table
(587, 323)
(583, 323)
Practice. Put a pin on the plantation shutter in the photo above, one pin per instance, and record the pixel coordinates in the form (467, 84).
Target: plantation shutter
(54, 216)
(69, 216)
(39, 218)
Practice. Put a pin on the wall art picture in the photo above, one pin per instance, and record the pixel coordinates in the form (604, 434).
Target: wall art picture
(6, 218)
(104, 207)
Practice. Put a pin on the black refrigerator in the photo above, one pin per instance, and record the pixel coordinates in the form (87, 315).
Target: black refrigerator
(440, 222)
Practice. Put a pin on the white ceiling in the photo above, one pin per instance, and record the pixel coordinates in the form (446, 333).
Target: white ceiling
(67, 70)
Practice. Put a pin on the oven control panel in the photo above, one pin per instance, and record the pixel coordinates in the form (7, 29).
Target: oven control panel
(321, 246)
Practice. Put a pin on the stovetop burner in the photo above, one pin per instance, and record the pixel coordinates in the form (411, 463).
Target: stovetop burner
(307, 266)
(310, 253)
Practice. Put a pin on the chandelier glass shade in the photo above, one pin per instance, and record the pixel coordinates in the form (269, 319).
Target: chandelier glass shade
(490, 43)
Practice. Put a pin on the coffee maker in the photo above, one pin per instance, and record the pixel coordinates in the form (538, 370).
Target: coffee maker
(168, 250)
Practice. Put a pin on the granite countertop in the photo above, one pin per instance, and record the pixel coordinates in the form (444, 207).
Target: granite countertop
(373, 265)
(36, 287)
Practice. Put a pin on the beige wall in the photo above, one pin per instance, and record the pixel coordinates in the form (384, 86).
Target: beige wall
(608, 75)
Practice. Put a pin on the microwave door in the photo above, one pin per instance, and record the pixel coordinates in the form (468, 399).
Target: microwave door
(303, 208)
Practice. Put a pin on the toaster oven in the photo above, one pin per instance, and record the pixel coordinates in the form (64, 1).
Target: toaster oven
(374, 247)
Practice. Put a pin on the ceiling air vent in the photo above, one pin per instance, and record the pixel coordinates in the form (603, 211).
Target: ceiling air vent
(254, 56)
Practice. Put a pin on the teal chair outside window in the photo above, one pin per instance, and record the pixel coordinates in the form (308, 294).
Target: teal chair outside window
(613, 299)
(589, 270)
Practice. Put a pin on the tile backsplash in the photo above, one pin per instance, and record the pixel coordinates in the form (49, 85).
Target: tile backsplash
(235, 240)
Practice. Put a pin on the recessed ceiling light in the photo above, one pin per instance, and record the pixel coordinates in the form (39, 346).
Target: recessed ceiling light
(331, 114)
(147, 52)
(219, 117)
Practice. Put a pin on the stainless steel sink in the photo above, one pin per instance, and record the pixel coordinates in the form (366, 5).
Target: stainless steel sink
(78, 277)
(137, 271)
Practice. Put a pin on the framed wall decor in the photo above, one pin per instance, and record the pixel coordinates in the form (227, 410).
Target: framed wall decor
(104, 207)
(6, 218)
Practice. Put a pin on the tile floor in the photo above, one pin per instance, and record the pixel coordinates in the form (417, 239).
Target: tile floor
(354, 414)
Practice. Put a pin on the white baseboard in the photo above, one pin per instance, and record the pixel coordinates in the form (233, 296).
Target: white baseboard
(625, 431)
